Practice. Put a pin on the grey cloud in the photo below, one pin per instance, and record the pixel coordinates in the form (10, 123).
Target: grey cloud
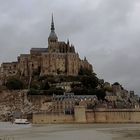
(106, 31)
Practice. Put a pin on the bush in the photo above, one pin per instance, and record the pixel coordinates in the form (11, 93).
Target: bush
(34, 85)
(14, 84)
(33, 91)
(57, 91)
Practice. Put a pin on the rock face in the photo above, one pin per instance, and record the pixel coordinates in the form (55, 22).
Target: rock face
(17, 102)
(14, 101)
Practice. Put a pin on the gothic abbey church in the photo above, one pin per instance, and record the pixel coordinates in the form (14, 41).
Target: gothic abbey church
(59, 58)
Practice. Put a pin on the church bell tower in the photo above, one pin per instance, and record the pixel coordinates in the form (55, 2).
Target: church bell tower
(52, 37)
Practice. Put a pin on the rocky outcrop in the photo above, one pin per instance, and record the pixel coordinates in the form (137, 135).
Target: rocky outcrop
(14, 101)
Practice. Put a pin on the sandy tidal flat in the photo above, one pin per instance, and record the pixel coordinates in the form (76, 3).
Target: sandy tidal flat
(9, 131)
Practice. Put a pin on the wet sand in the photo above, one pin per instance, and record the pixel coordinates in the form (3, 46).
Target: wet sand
(70, 132)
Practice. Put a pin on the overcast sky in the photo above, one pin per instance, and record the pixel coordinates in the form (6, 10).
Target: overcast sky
(107, 32)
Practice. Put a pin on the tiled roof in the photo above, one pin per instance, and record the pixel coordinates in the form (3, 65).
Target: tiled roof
(39, 49)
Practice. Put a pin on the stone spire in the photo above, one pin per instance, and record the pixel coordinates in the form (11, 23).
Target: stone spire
(52, 36)
(52, 24)
(68, 42)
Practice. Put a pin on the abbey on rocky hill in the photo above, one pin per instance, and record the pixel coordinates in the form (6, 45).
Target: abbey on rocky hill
(59, 58)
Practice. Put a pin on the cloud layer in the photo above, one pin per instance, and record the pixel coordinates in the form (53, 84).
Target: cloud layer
(105, 31)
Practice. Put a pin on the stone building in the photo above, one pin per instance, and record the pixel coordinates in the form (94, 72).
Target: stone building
(9, 68)
(59, 58)
(117, 89)
(66, 103)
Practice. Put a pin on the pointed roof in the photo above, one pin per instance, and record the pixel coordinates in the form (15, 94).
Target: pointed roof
(53, 36)
(68, 42)
(52, 24)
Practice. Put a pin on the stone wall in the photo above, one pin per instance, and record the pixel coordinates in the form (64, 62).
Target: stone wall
(45, 118)
(80, 114)
(89, 116)
(113, 116)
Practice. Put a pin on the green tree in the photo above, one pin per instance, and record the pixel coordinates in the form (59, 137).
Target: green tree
(89, 81)
(53, 90)
(116, 83)
(79, 91)
(84, 71)
(100, 93)
(43, 82)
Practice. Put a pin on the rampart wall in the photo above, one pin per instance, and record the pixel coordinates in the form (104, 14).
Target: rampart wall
(90, 116)
(113, 116)
(46, 118)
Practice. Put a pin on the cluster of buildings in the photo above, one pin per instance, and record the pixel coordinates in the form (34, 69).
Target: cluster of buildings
(116, 98)
(59, 58)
